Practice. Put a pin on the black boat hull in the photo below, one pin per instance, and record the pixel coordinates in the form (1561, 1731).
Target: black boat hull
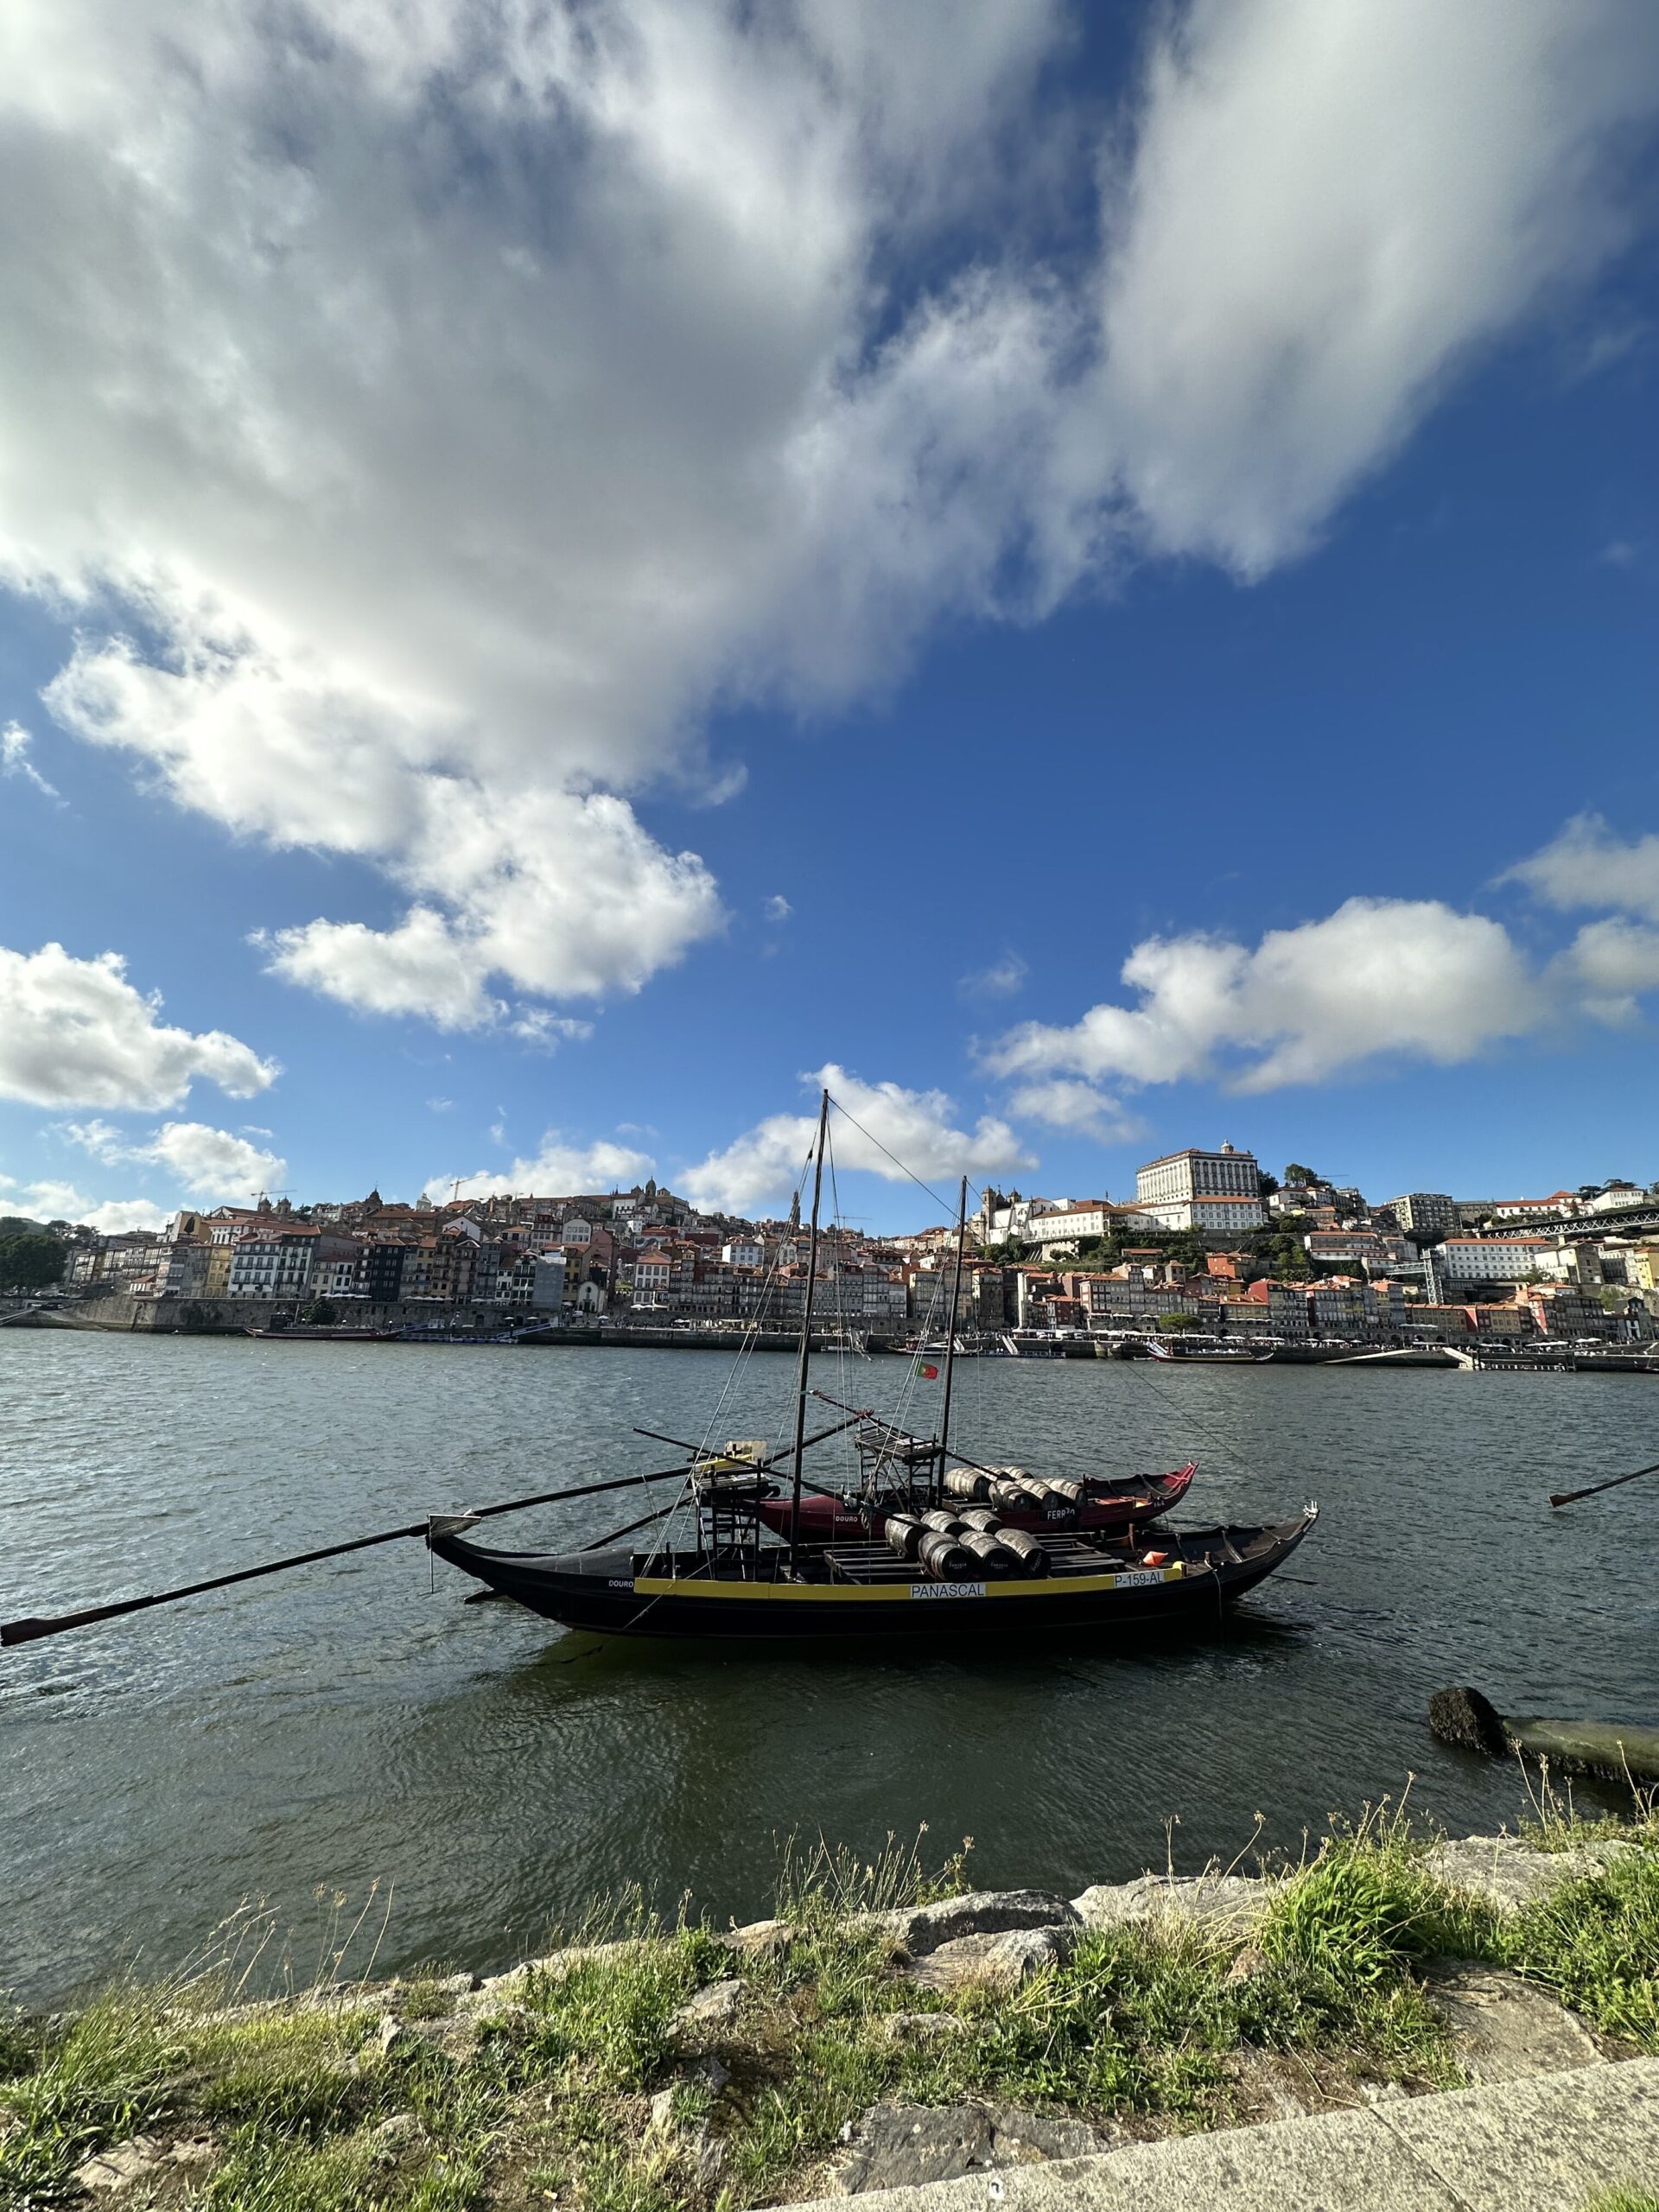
(619, 1594)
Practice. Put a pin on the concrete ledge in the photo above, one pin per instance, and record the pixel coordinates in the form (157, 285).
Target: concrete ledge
(1550, 2142)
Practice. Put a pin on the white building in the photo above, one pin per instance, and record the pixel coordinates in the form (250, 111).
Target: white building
(1207, 1191)
(1078, 1218)
(995, 1225)
(1502, 1259)
(744, 1252)
(272, 1262)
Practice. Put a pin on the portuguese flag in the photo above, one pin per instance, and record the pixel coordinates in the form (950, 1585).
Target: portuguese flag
(926, 1370)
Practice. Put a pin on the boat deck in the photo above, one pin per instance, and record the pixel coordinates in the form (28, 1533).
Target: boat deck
(880, 1563)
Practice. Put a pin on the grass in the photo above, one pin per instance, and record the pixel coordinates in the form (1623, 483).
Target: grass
(582, 2091)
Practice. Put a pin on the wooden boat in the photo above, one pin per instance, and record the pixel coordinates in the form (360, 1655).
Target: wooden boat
(298, 1334)
(921, 1550)
(866, 1592)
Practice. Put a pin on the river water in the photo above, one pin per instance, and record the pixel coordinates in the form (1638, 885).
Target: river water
(355, 1722)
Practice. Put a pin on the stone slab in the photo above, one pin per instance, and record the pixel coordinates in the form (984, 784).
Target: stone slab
(1222, 1901)
(920, 1929)
(1510, 1874)
(1547, 2143)
(1507, 2030)
(1003, 1961)
(1552, 2141)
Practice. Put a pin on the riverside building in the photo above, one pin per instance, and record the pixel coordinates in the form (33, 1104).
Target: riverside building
(1206, 1191)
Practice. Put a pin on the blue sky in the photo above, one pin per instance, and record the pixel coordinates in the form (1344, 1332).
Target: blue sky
(487, 517)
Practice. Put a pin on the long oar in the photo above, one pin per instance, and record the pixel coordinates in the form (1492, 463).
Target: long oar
(1572, 1497)
(29, 1630)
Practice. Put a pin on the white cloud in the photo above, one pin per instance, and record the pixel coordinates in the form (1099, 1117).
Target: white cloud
(559, 1169)
(75, 1033)
(537, 1024)
(1587, 866)
(1063, 1103)
(207, 1164)
(15, 743)
(777, 908)
(1609, 965)
(999, 980)
(1331, 203)
(1380, 977)
(50, 1201)
(915, 1127)
(777, 370)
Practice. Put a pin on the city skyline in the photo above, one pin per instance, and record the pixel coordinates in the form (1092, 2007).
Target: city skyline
(1067, 577)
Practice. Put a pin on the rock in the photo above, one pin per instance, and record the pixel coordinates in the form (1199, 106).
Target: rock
(923, 2027)
(119, 2167)
(760, 1939)
(1019, 2139)
(1507, 2030)
(1206, 1900)
(396, 2128)
(920, 1929)
(389, 2029)
(904, 2147)
(901, 2146)
(662, 2109)
(1001, 1961)
(1511, 1875)
(1465, 1718)
(717, 2006)
(193, 2150)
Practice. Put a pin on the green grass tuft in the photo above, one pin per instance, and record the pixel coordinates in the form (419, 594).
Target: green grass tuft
(1596, 1944)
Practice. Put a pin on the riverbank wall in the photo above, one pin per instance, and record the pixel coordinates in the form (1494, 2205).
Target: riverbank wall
(908, 2043)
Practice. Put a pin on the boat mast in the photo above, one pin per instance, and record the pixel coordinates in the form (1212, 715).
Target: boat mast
(950, 1334)
(806, 1333)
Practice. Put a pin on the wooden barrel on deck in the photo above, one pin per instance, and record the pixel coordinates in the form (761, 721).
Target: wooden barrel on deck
(969, 1483)
(1034, 1559)
(941, 1523)
(946, 1560)
(997, 1561)
(904, 1533)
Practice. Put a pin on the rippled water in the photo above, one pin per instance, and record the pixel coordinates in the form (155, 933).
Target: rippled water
(356, 1720)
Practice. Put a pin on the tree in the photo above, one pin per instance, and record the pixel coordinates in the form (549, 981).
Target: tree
(1266, 1185)
(1295, 1172)
(1169, 1322)
(31, 1262)
(320, 1314)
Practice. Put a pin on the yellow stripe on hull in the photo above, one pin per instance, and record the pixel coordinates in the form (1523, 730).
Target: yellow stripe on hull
(818, 1593)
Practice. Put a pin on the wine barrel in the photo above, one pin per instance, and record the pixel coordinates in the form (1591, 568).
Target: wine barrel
(946, 1560)
(1071, 1491)
(969, 1483)
(997, 1561)
(904, 1533)
(944, 1523)
(1011, 1494)
(983, 1518)
(1034, 1559)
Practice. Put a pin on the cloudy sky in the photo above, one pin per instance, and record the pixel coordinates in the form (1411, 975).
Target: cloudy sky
(564, 568)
